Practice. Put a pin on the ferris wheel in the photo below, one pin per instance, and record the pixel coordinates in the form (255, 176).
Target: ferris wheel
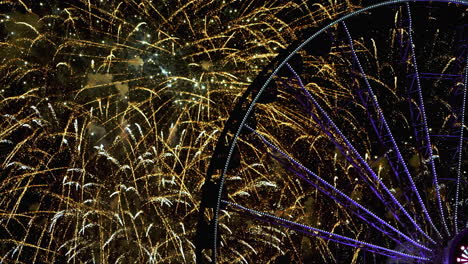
(349, 147)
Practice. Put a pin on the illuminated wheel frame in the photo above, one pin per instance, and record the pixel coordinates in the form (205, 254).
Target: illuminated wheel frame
(446, 246)
(458, 248)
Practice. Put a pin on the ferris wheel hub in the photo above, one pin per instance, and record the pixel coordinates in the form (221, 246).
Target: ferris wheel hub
(457, 249)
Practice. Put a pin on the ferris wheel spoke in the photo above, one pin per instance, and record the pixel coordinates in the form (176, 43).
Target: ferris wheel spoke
(460, 147)
(338, 195)
(390, 140)
(404, 216)
(325, 234)
(351, 149)
(425, 127)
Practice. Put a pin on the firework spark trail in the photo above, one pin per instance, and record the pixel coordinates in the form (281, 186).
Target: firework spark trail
(329, 235)
(460, 147)
(339, 110)
(116, 76)
(344, 138)
(119, 71)
(339, 192)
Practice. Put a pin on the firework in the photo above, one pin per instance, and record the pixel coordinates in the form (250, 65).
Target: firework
(109, 112)
(349, 151)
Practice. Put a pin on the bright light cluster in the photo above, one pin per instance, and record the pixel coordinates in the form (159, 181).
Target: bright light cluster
(464, 255)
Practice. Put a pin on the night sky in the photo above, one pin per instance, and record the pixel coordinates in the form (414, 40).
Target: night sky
(117, 117)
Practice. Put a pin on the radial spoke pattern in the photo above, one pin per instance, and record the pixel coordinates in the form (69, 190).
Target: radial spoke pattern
(354, 151)
(328, 235)
(336, 126)
(393, 143)
(425, 126)
(366, 212)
